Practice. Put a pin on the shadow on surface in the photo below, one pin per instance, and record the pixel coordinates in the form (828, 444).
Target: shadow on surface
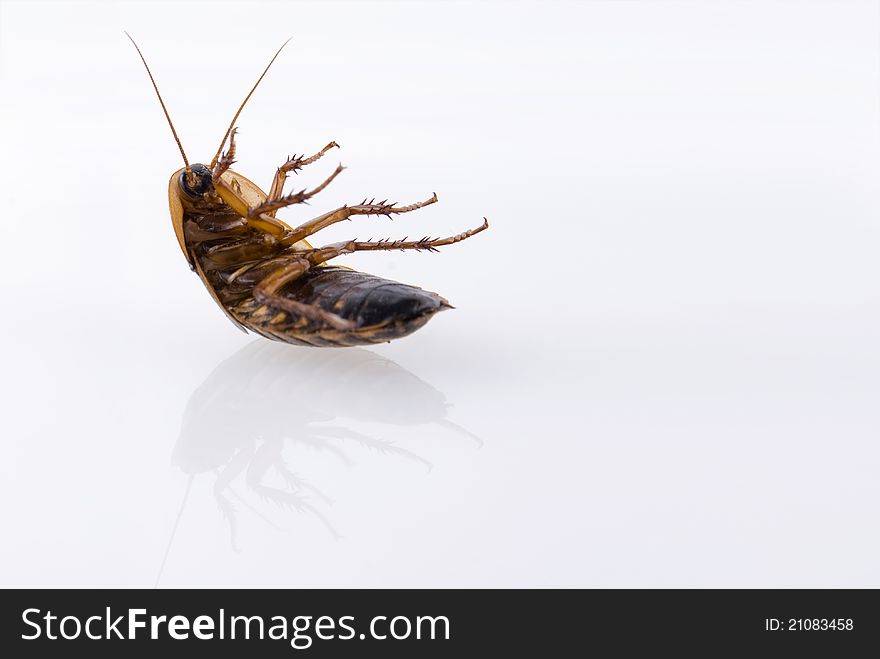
(267, 396)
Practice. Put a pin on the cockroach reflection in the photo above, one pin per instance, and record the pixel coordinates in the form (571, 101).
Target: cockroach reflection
(237, 428)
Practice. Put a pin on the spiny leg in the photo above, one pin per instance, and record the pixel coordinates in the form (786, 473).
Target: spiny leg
(293, 164)
(226, 160)
(270, 206)
(323, 254)
(340, 214)
(267, 293)
(426, 243)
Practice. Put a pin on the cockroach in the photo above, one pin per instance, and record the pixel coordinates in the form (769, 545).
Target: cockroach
(265, 275)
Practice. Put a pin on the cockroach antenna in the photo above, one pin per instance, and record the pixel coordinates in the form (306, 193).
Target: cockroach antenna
(246, 99)
(164, 109)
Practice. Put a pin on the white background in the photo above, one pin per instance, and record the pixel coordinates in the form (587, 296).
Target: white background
(663, 364)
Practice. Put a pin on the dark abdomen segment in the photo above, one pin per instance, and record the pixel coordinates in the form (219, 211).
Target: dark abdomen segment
(381, 309)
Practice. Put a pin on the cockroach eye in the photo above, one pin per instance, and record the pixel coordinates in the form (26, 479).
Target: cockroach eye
(202, 176)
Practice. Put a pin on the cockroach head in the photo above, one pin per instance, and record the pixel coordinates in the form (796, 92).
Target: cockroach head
(198, 182)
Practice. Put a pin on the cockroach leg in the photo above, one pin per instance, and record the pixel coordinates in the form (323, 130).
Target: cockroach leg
(230, 192)
(426, 243)
(293, 164)
(241, 251)
(340, 214)
(292, 198)
(323, 254)
(226, 160)
(267, 293)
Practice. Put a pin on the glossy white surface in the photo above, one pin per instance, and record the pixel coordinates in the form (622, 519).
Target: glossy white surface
(663, 365)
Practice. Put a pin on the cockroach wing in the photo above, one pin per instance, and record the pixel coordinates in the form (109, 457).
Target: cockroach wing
(214, 295)
(176, 209)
